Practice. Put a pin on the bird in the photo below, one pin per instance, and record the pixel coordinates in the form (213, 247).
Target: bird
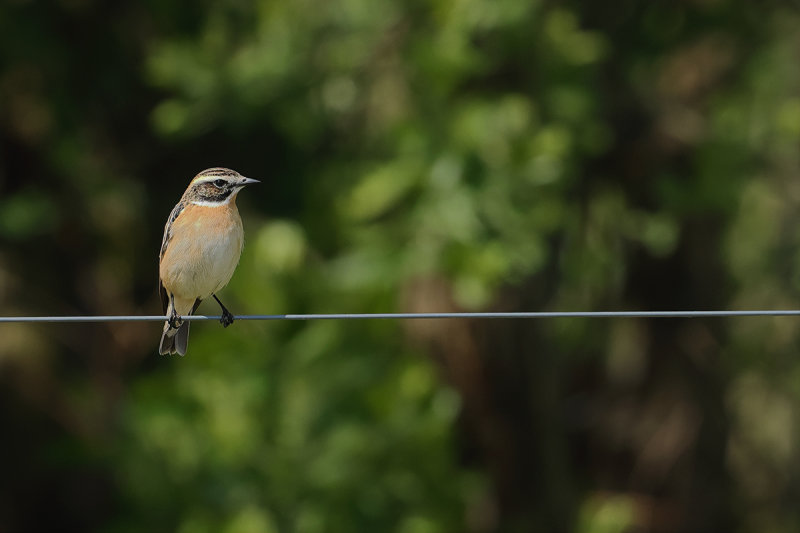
(202, 243)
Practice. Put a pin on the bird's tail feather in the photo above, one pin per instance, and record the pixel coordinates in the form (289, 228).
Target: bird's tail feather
(174, 340)
(167, 345)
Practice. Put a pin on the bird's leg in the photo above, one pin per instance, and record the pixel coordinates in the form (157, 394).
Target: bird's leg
(174, 319)
(227, 317)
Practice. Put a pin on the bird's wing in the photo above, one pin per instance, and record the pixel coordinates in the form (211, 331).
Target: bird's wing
(164, 297)
(164, 243)
(168, 228)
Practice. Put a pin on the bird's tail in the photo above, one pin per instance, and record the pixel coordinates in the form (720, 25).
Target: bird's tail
(174, 340)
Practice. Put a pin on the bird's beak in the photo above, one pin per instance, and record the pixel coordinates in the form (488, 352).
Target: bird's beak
(247, 181)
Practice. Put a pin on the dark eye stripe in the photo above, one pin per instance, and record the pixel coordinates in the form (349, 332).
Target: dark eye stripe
(212, 194)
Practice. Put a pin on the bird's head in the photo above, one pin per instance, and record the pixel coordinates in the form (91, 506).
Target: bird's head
(216, 186)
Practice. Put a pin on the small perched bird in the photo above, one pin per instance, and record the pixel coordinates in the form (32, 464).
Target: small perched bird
(202, 243)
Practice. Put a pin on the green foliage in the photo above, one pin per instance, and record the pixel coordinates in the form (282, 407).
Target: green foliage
(419, 155)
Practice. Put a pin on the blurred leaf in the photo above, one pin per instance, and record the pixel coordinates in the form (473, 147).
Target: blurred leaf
(27, 214)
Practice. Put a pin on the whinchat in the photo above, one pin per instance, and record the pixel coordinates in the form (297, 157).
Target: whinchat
(202, 243)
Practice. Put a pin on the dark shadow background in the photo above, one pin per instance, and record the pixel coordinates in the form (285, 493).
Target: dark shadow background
(433, 155)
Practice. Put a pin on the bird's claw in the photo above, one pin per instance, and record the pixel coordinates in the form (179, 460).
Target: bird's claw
(226, 319)
(175, 320)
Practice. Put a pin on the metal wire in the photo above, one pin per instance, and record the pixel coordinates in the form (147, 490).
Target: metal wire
(409, 316)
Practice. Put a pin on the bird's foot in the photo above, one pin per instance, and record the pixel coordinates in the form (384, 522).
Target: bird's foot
(174, 320)
(226, 319)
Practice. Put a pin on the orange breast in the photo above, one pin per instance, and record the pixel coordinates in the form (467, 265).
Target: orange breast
(203, 251)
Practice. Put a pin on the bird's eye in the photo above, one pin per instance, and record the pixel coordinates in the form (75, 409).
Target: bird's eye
(220, 183)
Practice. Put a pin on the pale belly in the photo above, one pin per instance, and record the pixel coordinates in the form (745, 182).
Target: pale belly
(197, 265)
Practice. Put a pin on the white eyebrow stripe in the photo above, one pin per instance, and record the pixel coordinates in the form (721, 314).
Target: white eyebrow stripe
(207, 203)
(211, 179)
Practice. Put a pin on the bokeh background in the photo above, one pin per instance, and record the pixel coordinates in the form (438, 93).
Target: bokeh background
(416, 155)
